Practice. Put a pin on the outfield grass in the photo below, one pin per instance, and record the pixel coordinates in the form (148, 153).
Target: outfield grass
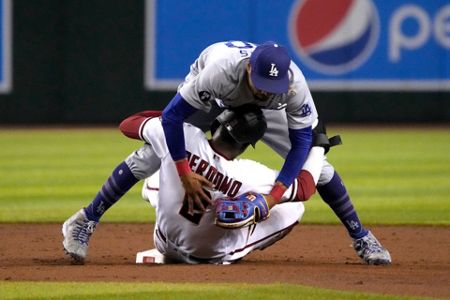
(394, 176)
(97, 291)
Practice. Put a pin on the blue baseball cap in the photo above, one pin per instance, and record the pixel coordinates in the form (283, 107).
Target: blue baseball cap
(270, 64)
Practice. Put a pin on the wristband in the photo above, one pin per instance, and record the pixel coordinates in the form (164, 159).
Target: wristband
(182, 167)
(277, 192)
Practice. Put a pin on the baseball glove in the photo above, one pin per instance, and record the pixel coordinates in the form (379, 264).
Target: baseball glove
(244, 210)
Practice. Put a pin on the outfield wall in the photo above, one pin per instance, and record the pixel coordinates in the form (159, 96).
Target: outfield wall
(84, 62)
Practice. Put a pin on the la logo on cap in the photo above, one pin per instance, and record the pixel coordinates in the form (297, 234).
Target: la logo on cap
(273, 70)
(269, 64)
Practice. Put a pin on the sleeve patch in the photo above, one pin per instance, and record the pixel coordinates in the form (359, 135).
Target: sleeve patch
(204, 96)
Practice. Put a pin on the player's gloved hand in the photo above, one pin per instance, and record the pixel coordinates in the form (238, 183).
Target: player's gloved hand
(244, 210)
(196, 196)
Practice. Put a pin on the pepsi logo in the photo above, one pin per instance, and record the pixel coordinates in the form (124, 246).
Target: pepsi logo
(334, 37)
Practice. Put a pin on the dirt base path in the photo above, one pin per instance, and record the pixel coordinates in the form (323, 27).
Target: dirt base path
(310, 255)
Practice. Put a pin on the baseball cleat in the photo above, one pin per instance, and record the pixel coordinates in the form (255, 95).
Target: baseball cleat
(77, 231)
(371, 251)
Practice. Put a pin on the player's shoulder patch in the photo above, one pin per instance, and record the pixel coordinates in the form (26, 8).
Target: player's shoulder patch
(305, 110)
(204, 96)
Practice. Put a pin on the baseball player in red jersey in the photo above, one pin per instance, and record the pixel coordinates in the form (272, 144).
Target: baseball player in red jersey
(194, 238)
(182, 237)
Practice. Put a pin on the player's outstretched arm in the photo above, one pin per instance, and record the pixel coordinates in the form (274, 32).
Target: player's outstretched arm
(172, 120)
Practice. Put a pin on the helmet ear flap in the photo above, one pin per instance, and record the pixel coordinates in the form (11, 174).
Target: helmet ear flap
(221, 119)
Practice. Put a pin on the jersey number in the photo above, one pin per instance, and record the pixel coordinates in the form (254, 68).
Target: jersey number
(242, 46)
(184, 211)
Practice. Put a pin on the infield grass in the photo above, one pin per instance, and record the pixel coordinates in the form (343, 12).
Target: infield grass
(97, 291)
(394, 176)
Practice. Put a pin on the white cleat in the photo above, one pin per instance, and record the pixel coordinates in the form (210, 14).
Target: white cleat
(371, 251)
(77, 231)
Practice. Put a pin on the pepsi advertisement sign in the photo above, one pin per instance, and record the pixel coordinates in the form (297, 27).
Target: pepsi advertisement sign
(339, 45)
(337, 41)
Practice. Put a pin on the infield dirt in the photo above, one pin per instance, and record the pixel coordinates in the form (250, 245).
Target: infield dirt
(314, 255)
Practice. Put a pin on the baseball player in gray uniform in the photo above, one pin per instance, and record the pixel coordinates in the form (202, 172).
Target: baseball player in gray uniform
(230, 74)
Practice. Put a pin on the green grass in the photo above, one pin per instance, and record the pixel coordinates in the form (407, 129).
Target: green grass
(47, 174)
(96, 291)
(394, 176)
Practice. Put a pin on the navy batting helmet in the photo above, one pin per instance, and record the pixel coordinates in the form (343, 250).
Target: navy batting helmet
(245, 124)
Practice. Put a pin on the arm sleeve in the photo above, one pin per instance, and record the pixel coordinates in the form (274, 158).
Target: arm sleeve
(152, 133)
(301, 140)
(172, 122)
